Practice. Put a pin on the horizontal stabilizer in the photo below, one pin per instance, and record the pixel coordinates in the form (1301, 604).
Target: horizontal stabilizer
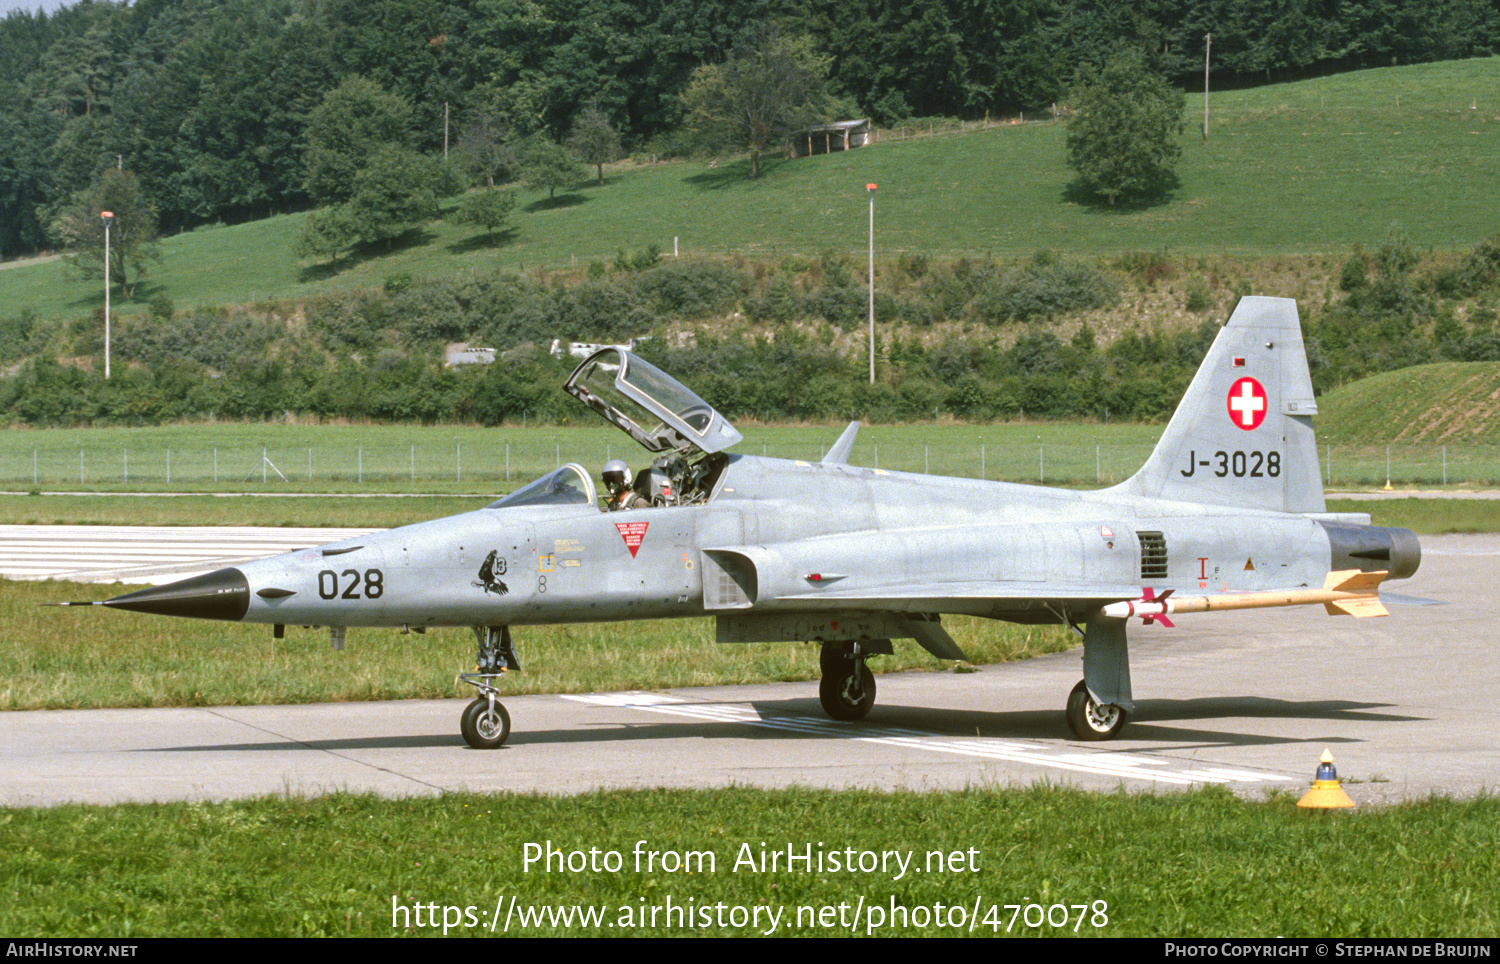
(1401, 599)
(839, 454)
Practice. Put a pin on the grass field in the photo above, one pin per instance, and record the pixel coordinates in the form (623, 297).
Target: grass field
(480, 462)
(1314, 166)
(1199, 864)
(227, 457)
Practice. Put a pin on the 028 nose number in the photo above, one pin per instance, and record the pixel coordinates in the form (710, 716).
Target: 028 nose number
(367, 585)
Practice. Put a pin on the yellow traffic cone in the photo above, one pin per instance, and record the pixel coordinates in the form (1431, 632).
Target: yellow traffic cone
(1326, 793)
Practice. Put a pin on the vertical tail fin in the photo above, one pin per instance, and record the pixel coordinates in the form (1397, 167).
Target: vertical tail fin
(1242, 435)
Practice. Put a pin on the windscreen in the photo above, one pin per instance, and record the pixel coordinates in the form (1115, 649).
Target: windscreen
(569, 485)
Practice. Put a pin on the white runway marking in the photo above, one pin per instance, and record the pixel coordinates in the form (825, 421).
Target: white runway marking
(1126, 766)
(144, 554)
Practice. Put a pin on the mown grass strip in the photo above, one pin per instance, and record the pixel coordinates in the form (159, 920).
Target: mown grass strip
(1196, 864)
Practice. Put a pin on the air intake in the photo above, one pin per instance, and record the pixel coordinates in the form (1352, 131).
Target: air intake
(1153, 555)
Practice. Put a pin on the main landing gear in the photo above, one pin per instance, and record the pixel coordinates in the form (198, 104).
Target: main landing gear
(1089, 720)
(485, 723)
(847, 691)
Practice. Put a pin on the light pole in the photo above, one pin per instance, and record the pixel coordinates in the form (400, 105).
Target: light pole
(1208, 45)
(108, 216)
(870, 189)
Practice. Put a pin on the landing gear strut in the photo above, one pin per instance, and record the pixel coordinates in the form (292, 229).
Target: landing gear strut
(1090, 721)
(847, 691)
(485, 723)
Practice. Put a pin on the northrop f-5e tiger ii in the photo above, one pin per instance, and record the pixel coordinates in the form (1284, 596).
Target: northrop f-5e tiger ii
(1227, 513)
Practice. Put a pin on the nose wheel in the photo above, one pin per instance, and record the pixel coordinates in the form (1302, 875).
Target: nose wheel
(485, 724)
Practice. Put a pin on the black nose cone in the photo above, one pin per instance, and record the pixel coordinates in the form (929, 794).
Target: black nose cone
(224, 594)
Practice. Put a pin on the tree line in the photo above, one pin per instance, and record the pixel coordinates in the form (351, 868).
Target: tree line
(212, 104)
(972, 339)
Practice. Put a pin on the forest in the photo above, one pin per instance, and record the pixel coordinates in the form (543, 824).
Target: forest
(207, 102)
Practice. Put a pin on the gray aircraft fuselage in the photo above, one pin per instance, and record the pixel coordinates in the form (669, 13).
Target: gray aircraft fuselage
(1228, 511)
(859, 529)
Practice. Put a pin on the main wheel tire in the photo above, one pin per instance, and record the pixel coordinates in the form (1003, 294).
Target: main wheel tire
(839, 696)
(1090, 721)
(833, 657)
(482, 729)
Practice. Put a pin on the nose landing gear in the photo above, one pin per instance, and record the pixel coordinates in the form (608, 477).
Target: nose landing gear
(485, 724)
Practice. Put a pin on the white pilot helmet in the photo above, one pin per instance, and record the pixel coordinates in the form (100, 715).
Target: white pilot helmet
(616, 472)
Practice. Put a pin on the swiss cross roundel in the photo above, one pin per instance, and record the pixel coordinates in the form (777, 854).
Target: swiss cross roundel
(1247, 404)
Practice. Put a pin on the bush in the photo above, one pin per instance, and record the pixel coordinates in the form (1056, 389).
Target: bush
(1478, 271)
(695, 289)
(1044, 291)
(220, 340)
(1198, 296)
(600, 311)
(15, 333)
(350, 322)
(780, 304)
(638, 260)
(839, 306)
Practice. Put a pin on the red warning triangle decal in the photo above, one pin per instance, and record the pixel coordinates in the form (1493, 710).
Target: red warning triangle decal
(633, 533)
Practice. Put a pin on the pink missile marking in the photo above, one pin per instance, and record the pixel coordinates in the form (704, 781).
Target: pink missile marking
(1148, 595)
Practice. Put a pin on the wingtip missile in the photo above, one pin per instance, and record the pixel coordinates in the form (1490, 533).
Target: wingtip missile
(1349, 592)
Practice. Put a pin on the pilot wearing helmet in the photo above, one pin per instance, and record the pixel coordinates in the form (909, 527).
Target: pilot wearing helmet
(616, 476)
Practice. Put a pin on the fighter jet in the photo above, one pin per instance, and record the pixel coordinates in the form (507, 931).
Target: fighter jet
(1227, 513)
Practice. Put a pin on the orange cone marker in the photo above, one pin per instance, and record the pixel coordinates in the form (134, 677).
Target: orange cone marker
(1326, 793)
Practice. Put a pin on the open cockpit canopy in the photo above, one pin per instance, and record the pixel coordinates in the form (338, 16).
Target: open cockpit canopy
(632, 394)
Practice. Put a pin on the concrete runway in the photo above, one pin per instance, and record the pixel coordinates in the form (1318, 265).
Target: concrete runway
(1249, 700)
(144, 554)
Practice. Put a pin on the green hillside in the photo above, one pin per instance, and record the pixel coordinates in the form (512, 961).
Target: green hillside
(1445, 402)
(1315, 166)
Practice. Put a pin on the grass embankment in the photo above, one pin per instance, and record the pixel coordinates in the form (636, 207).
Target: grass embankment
(1198, 864)
(1339, 159)
(1448, 402)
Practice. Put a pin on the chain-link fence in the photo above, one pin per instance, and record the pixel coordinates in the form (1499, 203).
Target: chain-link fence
(498, 465)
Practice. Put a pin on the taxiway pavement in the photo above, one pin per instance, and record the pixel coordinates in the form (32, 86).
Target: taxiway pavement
(1249, 700)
